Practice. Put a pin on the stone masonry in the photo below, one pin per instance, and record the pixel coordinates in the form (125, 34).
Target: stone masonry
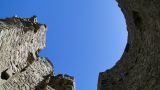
(139, 66)
(21, 68)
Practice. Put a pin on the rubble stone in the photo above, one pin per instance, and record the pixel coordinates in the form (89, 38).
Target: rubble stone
(139, 66)
(20, 66)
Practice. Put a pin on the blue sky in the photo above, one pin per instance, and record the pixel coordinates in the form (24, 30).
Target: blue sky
(84, 37)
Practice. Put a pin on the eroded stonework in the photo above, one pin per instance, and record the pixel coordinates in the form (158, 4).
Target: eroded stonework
(139, 67)
(20, 66)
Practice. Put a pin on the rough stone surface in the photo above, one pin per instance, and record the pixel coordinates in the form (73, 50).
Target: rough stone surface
(139, 67)
(20, 66)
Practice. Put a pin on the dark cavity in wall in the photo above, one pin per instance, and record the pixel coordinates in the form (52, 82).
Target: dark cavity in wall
(4, 75)
(30, 58)
(137, 20)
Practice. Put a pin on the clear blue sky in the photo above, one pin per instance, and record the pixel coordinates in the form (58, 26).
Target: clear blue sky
(84, 37)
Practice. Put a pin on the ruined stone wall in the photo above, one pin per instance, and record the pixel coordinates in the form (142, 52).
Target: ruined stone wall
(20, 66)
(139, 66)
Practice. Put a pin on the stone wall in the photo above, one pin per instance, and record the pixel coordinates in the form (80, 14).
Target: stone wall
(21, 68)
(139, 66)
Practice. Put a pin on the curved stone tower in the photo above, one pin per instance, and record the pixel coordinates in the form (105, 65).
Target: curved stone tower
(20, 66)
(139, 67)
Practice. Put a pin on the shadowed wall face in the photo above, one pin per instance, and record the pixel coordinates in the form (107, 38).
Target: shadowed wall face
(138, 69)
